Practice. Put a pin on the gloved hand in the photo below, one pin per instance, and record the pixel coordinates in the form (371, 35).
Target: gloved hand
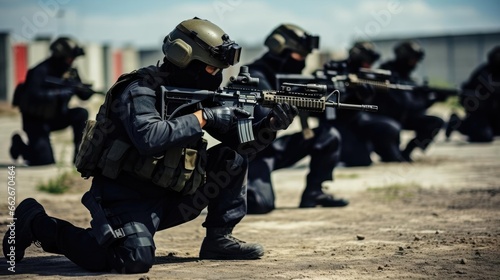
(223, 117)
(281, 116)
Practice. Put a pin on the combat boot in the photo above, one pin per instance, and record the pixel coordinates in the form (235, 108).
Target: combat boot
(219, 244)
(319, 198)
(18, 147)
(19, 235)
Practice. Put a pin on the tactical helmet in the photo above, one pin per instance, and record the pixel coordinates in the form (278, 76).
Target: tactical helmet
(363, 52)
(65, 47)
(291, 37)
(199, 39)
(409, 50)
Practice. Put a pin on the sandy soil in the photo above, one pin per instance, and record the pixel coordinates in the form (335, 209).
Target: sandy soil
(437, 218)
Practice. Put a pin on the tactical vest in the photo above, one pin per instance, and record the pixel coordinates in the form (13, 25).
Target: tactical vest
(181, 169)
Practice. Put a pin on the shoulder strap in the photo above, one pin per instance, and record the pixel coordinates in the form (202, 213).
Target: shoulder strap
(121, 83)
(123, 80)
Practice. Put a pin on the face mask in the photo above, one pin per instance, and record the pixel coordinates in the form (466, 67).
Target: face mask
(208, 81)
(292, 66)
(195, 76)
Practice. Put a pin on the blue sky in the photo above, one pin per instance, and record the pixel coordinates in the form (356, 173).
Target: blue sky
(144, 23)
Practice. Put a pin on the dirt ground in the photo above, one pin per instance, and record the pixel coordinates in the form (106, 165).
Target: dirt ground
(437, 218)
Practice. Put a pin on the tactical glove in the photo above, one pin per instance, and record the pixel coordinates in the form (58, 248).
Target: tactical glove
(222, 118)
(281, 116)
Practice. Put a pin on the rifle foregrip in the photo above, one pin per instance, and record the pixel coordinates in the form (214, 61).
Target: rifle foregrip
(302, 103)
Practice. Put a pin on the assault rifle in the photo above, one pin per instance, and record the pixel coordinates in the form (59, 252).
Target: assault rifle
(309, 97)
(382, 79)
(73, 84)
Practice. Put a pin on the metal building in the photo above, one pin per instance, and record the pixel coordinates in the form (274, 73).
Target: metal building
(449, 59)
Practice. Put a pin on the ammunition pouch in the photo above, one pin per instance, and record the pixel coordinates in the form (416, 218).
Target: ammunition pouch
(96, 133)
(181, 169)
(90, 150)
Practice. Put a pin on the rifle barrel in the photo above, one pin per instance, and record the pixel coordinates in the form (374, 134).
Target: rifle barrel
(357, 107)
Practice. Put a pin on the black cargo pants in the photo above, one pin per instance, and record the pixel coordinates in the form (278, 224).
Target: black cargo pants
(146, 209)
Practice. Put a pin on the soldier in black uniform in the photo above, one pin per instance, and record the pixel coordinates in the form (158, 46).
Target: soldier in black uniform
(44, 103)
(288, 47)
(409, 108)
(154, 172)
(480, 98)
(363, 132)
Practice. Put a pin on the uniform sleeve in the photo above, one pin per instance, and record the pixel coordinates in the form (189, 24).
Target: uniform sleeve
(150, 134)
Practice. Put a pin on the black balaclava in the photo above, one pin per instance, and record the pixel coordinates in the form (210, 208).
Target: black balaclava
(284, 63)
(59, 66)
(193, 76)
(404, 68)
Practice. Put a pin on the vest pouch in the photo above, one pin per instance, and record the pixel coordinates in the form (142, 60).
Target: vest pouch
(113, 159)
(186, 168)
(167, 171)
(89, 152)
(198, 176)
(145, 166)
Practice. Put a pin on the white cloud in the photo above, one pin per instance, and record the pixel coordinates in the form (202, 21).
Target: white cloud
(338, 23)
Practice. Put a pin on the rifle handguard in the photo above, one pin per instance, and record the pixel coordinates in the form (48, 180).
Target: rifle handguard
(301, 102)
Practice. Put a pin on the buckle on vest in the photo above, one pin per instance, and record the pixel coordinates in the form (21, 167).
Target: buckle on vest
(119, 233)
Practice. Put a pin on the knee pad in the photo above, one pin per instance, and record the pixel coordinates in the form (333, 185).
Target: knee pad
(135, 253)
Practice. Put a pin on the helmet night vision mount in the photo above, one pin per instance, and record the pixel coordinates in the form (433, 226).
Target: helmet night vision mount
(199, 39)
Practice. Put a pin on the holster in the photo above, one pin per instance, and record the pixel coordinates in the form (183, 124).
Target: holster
(102, 229)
